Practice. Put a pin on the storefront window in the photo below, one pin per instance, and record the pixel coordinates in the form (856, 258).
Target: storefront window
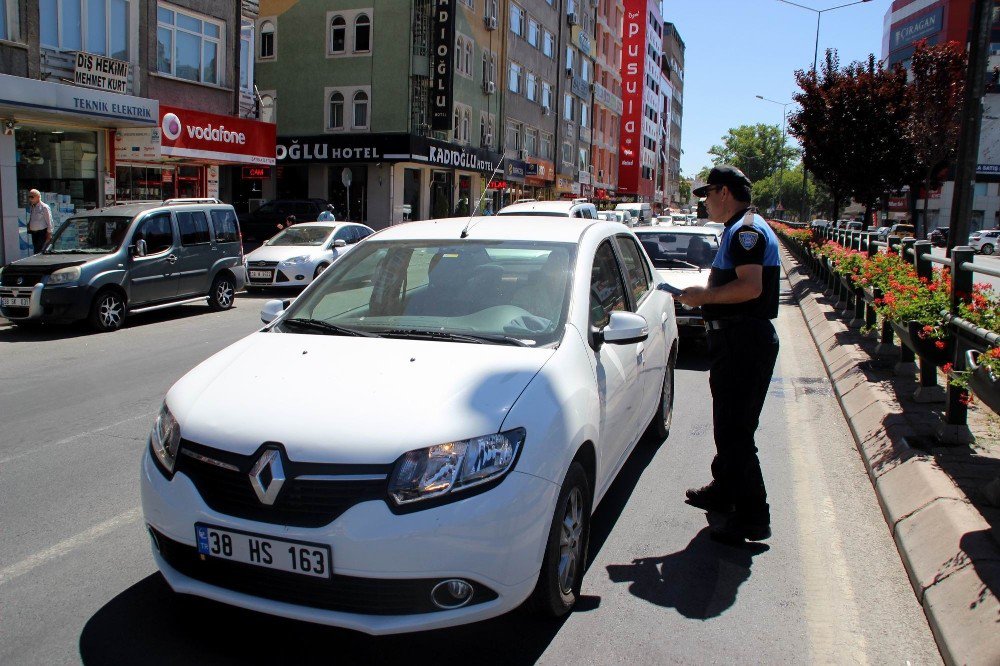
(97, 26)
(139, 183)
(189, 181)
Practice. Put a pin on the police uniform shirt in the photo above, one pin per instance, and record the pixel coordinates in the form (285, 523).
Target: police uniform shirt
(747, 239)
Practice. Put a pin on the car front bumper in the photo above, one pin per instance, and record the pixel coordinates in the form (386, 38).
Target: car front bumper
(57, 304)
(494, 540)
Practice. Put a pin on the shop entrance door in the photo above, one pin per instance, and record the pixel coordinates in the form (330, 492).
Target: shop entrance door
(189, 182)
(441, 188)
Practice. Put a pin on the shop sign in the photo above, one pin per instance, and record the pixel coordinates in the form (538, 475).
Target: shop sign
(442, 153)
(29, 98)
(530, 169)
(897, 204)
(212, 181)
(109, 190)
(168, 175)
(442, 42)
(137, 143)
(583, 41)
(256, 173)
(516, 169)
(336, 149)
(580, 87)
(606, 98)
(633, 61)
(101, 72)
(584, 177)
(918, 28)
(497, 185)
(208, 136)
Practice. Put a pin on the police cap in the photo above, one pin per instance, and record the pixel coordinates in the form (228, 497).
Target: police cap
(731, 177)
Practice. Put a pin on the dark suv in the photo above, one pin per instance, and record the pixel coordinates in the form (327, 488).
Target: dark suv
(103, 264)
(939, 237)
(263, 223)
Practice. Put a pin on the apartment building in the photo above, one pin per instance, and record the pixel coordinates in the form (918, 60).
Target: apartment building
(607, 112)
(672, 68)
(640, 135)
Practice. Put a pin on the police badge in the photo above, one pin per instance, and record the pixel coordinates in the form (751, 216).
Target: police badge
(748, 239)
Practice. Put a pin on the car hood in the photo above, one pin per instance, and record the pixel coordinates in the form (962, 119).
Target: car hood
(682, 278)
(350, 400)
(282, 252)
(47, 263)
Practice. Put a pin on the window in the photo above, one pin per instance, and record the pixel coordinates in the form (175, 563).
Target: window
(513, 141)
(636, 268)
(583, 161)
(567, 154)
(268, 31)
(336, 111)
(157, 232)
(531, 87)
(546, 95)
(584, 115)
(549, 44)
(467, 125)
(568, 107)
(533, 33)
(362, 33)
(463, 56)
(95, 26)
(188, 46)
(8, 19)
(360, 109)
(267, 111)
(224, 223)
(193, 226)
(546, 146)
(517, 19)
(531, 141)
(491, 9)
(246, 61)
(607, 292)
(514, 78)
(489, 66)
(338, 34)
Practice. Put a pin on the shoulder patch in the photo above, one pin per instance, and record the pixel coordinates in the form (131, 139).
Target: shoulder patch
(748, 239)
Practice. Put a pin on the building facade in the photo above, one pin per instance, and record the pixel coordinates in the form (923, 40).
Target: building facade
(607, 108)
(672, 68)
(83, 91)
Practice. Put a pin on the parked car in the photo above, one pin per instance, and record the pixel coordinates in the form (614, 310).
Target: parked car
(939, 236)
(263, 223)
(883, 233)
(642, 212)
(621, 216)
(298, 254)
(105, 264)
(901, 231)
(987, 241)
(555, 208)
(683, 257)
(483, 381)
(819, 224)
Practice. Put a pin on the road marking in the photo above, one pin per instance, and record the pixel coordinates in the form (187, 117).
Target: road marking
(67, 440)
(72, 543)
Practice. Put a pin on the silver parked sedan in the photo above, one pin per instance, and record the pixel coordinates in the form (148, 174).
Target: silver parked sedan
(296, 255)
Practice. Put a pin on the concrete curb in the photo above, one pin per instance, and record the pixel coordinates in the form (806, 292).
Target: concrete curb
(945, 543)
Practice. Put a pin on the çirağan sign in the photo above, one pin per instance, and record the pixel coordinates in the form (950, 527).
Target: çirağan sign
(633, 72)
(221, 139)
(443, 40)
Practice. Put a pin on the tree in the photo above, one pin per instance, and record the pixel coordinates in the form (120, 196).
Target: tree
(684, 191)
(756, 150)
(936, 93)
(785, 190)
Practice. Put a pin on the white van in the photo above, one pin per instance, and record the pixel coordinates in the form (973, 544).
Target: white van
(642, 213)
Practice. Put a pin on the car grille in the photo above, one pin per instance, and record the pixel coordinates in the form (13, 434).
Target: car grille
(300, 503)
(14, 312)
(11, 275)
(281, 277)
(349, 594)
(262, 264)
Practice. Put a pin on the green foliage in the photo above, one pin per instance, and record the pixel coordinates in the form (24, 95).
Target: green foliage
(757, 150)
(785, 189)
(684, 190)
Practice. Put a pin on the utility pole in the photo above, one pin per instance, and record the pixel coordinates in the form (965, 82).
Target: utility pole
(972, 118)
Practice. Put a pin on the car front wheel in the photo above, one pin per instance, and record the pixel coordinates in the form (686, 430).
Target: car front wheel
(107, 312)
(659, 427)
(565, 559)
(986, 249)
(223, 293)
(319, 270)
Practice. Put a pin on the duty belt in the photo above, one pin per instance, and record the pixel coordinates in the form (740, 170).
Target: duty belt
(719, 324)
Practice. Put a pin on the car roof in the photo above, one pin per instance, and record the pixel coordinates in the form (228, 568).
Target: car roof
(492, 227)
(328, 223)
(699, 230)
(133, 209)
(543, 207)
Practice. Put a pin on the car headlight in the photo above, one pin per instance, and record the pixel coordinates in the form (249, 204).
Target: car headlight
(65, 275)
(165, 439)
(297, 260)
(450, 468)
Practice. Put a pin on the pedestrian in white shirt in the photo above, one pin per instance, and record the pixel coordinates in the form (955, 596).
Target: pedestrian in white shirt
(39, 221)
(327, 215)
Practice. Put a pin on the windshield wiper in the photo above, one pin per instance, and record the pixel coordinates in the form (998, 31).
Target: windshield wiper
(327, 327)
(474, 338)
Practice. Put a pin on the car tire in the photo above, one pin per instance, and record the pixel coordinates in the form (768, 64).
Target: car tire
(986, 248)
(319, 270)
(659, 427)
(223, 293)
(565, 560)
(107, 312)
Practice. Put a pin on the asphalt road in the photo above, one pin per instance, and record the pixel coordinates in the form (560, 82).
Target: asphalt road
(77, 582)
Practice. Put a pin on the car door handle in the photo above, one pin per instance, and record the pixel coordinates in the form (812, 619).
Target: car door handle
(171, 259)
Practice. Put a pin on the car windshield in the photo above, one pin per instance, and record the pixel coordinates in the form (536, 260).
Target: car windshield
(98, 234)
(301, 236)
(674, 250)
(503, 292)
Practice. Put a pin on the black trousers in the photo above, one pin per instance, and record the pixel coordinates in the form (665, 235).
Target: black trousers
(743, 357)
(38, 239)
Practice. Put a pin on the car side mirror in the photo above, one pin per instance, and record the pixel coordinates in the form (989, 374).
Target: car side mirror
(340, 242)
(625, 328)
(139, 248)
(271, 310)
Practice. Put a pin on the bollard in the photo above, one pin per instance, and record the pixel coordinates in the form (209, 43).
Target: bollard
(925, 268)
(885, 344)
(906, 244)
(955, 428)
(894, 244)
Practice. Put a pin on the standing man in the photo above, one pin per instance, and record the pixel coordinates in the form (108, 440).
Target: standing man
(39, 221)
(738, 305)
(327, 215)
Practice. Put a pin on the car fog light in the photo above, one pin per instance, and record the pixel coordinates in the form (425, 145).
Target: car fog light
(451, 594)
(300, 277)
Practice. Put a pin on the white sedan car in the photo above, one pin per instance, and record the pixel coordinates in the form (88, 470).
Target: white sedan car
(987, 242)
(297, 255)
(683, 257)
(482, 384)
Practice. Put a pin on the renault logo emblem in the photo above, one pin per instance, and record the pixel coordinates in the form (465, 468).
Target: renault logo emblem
(267, 476)
(20, 280)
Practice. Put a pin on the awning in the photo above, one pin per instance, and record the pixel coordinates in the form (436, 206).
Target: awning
(33, 100)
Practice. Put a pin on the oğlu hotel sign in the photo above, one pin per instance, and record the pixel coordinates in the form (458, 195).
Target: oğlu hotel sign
(442, 89)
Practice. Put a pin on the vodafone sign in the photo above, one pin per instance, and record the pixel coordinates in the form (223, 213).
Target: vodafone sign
(215, 138)
(633, 73)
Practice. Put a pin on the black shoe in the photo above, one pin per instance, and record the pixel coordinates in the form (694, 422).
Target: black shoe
(709, 498)
(739, 529)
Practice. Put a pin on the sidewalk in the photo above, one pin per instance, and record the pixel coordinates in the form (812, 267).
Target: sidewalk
(942, 504)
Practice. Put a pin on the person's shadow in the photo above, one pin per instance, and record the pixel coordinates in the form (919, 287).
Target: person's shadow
(700, 581)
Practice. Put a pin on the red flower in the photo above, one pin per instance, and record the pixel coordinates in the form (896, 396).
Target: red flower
(947, 368)
(939, 344)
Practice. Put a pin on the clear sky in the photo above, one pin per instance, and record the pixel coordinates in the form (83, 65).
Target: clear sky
(737, 49)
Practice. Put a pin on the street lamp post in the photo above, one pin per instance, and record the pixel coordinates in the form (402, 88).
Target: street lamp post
(781, 152)
(819, 14)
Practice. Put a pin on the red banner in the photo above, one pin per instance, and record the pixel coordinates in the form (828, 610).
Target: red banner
(633, 84)
(214, 138)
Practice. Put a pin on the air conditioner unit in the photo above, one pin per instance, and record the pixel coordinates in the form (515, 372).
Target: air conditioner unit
(571, 18)
(489, 87)
(569, 72)
(490, 22)
(522, 154)
(546, 110)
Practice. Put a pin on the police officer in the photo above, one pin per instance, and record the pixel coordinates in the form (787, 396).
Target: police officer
(738, 304)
